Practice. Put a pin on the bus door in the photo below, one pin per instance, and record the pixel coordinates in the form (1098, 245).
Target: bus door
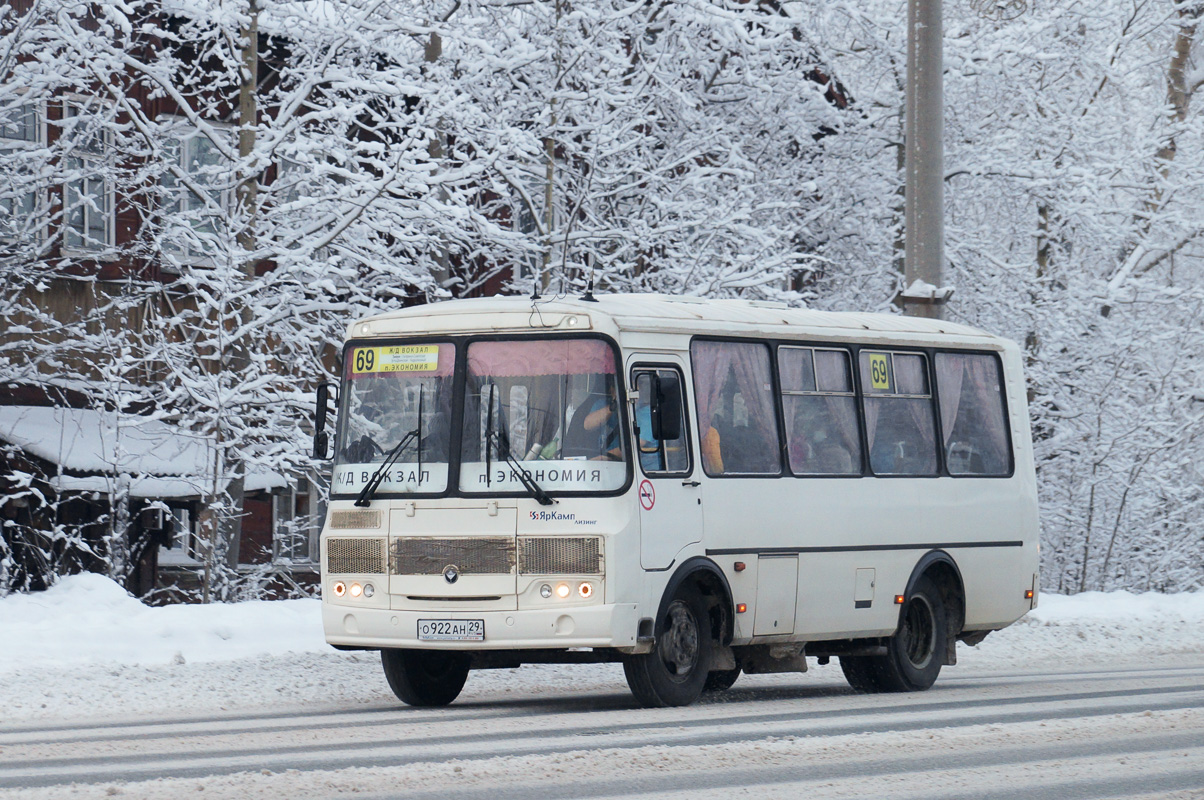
(669, 497)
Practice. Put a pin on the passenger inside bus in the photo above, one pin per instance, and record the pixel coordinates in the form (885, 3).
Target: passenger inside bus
(593, 431)
(650, 449)
(816, 440)
(737, 444)
(736, 420)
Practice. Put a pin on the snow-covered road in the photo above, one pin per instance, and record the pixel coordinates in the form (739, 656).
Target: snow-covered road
(1093, 696)
(1087, 734)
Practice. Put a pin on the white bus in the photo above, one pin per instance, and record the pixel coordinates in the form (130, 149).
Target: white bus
(694, 488)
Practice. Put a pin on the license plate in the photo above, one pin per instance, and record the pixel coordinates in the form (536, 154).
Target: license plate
(464, 630)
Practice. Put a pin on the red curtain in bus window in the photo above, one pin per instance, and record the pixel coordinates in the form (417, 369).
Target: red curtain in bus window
(513, 358)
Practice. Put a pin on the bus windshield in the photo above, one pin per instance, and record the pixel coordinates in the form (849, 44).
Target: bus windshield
(549, 405)
(395, 397)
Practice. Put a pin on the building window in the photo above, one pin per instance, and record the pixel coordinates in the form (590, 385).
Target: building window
(20, 138)
(197, 194)
(88, 196)
(184, 545)
(297, 519)
(295, 191)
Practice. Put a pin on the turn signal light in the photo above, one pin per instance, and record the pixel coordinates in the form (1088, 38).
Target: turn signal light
(340, 589)
(899, 599)
(741, 608)
(586, 590)
(1028, 594)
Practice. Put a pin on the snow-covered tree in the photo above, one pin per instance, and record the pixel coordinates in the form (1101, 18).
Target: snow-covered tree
(189, 222)
(1074, 196)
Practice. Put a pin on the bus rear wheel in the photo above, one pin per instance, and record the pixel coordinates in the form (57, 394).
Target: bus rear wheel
(913, 655)
(676, 670)
(425, 677)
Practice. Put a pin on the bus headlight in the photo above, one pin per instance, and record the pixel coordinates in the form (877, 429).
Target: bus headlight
(545, 591)
(369, 590)
(562, 590)
(356, 590)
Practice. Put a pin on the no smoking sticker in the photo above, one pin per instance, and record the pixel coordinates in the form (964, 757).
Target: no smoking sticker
(647, 495)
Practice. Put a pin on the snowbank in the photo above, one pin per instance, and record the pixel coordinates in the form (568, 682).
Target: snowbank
(1117, 626)
(87, 649)
(88, 619)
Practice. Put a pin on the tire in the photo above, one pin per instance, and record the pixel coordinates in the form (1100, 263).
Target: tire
(676, 670)
(425, 678)
(913, 655)
(720, 680)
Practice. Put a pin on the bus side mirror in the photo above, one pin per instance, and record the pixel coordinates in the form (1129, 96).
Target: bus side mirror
(321, 438)
(666, 407)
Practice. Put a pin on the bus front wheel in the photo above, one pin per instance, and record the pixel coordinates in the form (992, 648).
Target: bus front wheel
(913, 655)
(676, 670)
(425, 677)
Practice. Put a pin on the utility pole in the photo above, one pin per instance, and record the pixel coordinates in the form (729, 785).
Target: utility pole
(432, 52)
(247, 199)
(924, 208)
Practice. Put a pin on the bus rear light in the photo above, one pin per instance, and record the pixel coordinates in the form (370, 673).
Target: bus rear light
(741, 608)
(340, 588)
(586, 590)
(899, 599)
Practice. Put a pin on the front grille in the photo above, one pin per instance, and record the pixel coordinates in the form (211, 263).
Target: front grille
(560, 555)
(342, 520)
(412, 555)
(355, 556)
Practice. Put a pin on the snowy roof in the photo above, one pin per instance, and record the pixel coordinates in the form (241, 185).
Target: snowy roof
(162, 459)
(657, 312)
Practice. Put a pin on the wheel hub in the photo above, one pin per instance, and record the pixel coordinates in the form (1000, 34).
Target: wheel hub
(679, 644)
(919, 632)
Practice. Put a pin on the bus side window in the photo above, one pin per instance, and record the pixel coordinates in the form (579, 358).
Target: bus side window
(737, 422)
(899, 422)
(820, 410)
(667, 455)
(973, 422)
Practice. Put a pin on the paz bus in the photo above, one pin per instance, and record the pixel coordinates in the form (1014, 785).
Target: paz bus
(693, 488)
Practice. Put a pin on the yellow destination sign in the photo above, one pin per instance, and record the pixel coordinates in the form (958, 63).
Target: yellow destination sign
(395, 358)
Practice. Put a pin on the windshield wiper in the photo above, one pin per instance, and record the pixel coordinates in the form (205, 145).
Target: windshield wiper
(502, 440)
(524, 474)
(489, 437)
(365, 497)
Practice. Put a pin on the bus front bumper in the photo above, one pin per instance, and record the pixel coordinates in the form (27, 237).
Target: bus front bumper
(584, 626)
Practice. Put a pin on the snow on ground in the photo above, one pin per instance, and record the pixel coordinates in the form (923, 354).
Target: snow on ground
(86, 649)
